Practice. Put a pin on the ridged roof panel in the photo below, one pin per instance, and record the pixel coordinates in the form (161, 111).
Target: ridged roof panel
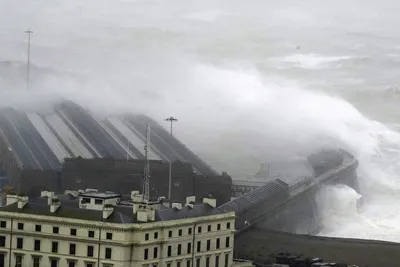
(42, 141)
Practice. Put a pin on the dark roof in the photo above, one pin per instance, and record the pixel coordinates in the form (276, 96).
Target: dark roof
(255, 197)
(185, 212)
(122, 214)
(100, 195)
(42, 140)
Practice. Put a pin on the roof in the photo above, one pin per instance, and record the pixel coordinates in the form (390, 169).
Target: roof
(122, 214)
(43, 140)
(257, 196)
(100, 195)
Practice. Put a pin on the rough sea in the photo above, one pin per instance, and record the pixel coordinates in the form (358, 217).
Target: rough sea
(250, 82)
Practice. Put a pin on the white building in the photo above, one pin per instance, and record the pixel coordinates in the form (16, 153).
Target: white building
(91, 229)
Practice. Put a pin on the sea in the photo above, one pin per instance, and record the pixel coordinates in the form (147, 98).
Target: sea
(250, 82)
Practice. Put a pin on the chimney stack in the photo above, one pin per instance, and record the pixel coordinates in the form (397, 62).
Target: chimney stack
(22, 201)
(146, 215)
(210, 201)
(54, 204)
(136, 196)
(190, 199)
(177, 206)
(142, 215)
(11, 198)
(107, 211)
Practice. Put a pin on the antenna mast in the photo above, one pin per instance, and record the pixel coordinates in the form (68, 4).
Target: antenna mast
(146, 178)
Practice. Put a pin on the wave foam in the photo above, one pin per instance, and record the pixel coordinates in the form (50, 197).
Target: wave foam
(312, 61)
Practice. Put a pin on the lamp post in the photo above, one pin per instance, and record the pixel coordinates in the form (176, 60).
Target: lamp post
(171, 120)
(29, 32)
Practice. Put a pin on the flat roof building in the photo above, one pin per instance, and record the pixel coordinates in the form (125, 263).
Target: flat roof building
(93, 229)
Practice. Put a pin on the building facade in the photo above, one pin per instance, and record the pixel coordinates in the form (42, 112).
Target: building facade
(93, 229)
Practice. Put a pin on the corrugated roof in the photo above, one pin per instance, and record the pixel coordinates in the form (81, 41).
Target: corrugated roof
(42, 141)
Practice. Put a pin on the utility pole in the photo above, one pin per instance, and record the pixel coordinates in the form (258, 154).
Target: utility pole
(29, 32)
(171, 120)
(146, 178)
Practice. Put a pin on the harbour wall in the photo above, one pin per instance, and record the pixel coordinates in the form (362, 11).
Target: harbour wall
(296, 211)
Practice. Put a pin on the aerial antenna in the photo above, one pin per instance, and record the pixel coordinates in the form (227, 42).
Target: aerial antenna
(146, 178)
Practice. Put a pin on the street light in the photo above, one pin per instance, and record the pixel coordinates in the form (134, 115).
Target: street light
(171, 120)
(29, 32)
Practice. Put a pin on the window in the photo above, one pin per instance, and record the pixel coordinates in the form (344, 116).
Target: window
(146, 253)
(71, 264)
(189, 231)
(180, 232)
(217, 261)
(155, 235)
(54, 247)
(20, 226)
(85, 200)
(108, 253)
(208, 262)
(169, 233)
(90, 251)
(218, 243)
(109, 236)
(187, 263)
(18, 260)
(209, 228)
(91, 233)
(56, 230)
(228, 225)
(198, 246)
(146, 236)
(2, 241)
(208, 244)
(98, 201)
(19, 243)
(36, 261)
(227, 241)
(36, 245)
(155, 253)
(198, 262)
(72, 249)
(73, 231)
(168, 264)
(226, 260)
(53, 262)
(218, 227)
(38, 228)
(189, 248)
(178, 264)
(3, 224)
(179, 249)
(199, 229)
(169, 251)
(89, 264)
